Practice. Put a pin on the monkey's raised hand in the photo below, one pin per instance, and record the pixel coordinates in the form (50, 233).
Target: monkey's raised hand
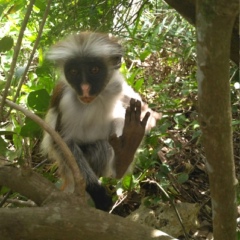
(126, 145)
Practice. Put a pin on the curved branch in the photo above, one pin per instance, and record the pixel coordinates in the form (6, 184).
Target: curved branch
(70, 160)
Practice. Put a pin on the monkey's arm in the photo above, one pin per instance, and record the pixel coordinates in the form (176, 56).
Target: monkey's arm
(126, 145)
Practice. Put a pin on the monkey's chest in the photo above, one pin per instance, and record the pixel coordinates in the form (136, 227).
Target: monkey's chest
(89, 122)
(86, 127)
(91, 132)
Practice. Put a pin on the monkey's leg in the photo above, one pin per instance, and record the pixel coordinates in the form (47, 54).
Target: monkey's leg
(93, 187)
(100, 156)
(126, 145)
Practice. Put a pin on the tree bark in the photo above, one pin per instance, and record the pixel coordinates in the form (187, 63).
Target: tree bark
(215, 21)
(61, 215)
(71, 222)
(187, 8)
(27, 182)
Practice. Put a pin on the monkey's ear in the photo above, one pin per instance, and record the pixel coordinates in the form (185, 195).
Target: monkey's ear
(116, 61)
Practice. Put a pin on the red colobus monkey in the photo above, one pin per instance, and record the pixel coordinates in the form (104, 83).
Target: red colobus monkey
(88, 106)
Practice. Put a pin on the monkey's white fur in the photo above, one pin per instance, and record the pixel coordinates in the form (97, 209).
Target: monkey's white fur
(92, 47)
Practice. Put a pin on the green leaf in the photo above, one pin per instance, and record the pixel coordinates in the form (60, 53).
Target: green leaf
(39, 100)
(164, 127)
(6, 44)
(138, 84)
(3, 147)
(30, 129)
(165, 169)
(4, 190)
(180, 119)
(127, 182)
(196, 134)
(144, 54)
(182, 177)
(2, 8)
(2, 84)
(235, 122)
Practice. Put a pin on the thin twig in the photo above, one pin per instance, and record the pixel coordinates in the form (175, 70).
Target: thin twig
(15, 56)
(32, 53)
(21, 203)
(174, 207)
(118, 203)
(5, 198)
(70, 160)
(41, 163)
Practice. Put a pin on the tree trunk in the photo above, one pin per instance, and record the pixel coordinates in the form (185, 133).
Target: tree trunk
(215, 21)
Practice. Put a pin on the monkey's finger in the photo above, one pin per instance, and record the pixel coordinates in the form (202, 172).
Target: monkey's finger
(145, 119)
(132, 109)
(127, 115)
(138, 111)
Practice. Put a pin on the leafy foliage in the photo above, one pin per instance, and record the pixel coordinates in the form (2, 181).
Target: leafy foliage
(159, 63)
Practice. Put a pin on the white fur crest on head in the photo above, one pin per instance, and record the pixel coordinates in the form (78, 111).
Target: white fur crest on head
(85, 44)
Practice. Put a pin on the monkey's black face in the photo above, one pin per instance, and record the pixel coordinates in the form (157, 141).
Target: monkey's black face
(88, 76)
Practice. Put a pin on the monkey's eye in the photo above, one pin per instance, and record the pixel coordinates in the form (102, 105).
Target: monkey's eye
(95, 70)
(73, 71)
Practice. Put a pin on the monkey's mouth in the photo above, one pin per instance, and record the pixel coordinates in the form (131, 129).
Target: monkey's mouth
(86, 99)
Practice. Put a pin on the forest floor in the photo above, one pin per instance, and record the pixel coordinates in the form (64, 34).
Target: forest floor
(189, 159)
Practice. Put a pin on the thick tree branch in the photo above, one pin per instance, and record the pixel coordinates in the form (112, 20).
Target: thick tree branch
(187, 8)
(37, 188)
(215, 21)
(27, 182)
(71, 222)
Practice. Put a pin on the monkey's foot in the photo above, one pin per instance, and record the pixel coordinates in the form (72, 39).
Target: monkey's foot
(100, 197)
